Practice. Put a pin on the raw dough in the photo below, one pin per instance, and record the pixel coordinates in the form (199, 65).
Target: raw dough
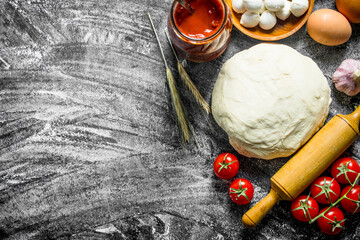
(270, 99)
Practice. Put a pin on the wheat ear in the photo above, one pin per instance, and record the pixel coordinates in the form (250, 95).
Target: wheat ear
(182, 120)
(188, 82)
(178, 106)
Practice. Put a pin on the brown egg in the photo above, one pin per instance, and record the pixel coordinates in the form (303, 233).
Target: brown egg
(328, 27)
(350, 9)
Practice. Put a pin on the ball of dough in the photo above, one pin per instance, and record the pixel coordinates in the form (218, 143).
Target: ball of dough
(270, 99)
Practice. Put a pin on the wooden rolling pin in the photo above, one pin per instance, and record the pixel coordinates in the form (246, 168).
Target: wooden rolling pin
(307, 164)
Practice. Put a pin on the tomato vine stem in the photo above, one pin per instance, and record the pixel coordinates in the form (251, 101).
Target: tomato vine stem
(352, 184)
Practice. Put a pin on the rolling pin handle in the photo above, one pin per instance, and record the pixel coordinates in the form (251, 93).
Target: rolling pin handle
(252, 217)
(355, 116)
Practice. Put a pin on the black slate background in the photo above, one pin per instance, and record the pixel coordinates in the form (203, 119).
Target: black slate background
(88, 143)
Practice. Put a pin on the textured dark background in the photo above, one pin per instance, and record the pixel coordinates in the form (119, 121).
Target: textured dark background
(88, 143)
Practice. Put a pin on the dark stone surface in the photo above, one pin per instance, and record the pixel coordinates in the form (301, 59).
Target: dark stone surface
(88, 143)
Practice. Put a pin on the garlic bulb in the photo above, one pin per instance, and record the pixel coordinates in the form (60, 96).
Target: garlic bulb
(284, 13)
(299, 7)
(274, 5)
(347, 77)
(238, 6)
(250, 19)
(267, 20)
(253, 5)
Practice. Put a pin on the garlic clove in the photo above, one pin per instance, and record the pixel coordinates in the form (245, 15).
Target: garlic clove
(267, 20)
(284, 13)
(347, 77)
(250, 19)
(253, 5)
(274, 5)
(299, 7)
(238, 6)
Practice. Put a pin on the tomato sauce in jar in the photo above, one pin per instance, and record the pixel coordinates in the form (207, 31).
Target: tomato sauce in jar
(204, 22)
(203, 35)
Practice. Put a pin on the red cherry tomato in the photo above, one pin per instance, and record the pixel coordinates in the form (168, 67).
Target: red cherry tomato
(226, 166)
(303, 207)
(332, 222)
(345, 167)
(241, 191)
(325, 190)
(353, 205)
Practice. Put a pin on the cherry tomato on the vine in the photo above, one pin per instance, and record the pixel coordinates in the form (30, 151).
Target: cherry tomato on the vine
(325, 190)
(241, 191)
(345, 167)
(332, 222)
(353, 205)
(226, 166)
(304, 208)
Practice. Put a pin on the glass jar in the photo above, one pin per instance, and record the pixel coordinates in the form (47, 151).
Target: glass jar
(200, 47)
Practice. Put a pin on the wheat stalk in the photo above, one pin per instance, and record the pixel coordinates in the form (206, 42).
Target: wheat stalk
(188, 82)
(182, 120)
(178, 106)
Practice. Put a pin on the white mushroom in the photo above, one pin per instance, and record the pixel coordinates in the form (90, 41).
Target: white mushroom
(267, 20)
(253, 5)
(284, 13)
(299, 7)
(238, 6)
(274, 5)
(249, 19)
